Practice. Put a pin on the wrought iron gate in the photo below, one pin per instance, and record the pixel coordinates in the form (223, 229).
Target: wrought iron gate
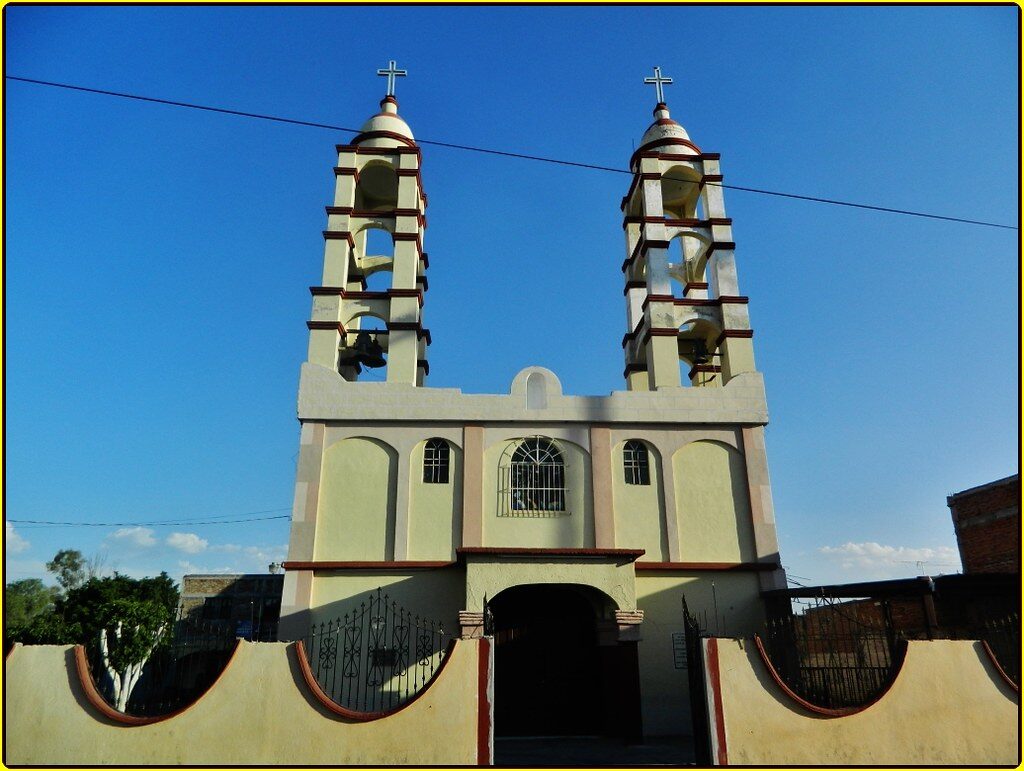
(698, 688)
(377, 657)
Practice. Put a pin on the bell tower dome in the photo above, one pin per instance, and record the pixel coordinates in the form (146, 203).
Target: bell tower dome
(684, 310)
(378, 188)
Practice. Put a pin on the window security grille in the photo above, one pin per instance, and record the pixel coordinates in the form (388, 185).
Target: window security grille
(636, 463)
(532, 480)
(436, 455)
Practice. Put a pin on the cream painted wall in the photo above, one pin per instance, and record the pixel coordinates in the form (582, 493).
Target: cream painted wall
(436, 594)
(356, 514)
(488, 575)
(713, 504)
(946, 707)
(639, 509)
(260, 713)
(435, 510)
(664, 690)
(574, 529)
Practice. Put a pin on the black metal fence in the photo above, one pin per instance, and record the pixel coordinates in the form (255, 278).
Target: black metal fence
(1003, 637)
(377, 657)
(177, 673)
(830, 657)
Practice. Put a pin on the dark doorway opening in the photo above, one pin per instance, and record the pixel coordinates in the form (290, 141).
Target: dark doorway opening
(552, 674)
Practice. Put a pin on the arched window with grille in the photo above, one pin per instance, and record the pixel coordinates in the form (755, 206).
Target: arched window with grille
(636, 463)
(436, 461)
(533, 479)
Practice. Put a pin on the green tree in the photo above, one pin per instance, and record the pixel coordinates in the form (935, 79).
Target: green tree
(24, 600)
(72, 569)
(125, 618)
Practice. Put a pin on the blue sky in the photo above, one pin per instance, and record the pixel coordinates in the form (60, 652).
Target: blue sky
(158, 259)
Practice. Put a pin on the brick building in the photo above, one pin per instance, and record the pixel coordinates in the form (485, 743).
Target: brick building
(987, 523)
(246, 604)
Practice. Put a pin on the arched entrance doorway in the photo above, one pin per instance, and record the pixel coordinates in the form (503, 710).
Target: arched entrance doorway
(558, 669)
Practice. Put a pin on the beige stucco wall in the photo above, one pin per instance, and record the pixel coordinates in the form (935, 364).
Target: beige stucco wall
(639, 510)
(434, 594)
(946, 707)
(435, 522)
(574, 529)
(488, 575)
(356, 517)
(664, 690)
(713, 504)
(259, 713)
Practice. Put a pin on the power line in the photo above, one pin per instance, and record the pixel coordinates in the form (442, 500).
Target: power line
(505, 153)
(161, 523)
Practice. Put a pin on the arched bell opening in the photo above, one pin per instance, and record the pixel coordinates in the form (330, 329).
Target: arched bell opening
(558, 671)
(362, 351)
(699, 359)
(377, 188)
(680, 193)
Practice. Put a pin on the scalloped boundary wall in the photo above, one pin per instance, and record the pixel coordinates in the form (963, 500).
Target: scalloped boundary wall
(950, 704)
(261, 711)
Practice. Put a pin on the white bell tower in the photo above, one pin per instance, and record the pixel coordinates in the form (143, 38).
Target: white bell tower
(378, 187)
(682, 304)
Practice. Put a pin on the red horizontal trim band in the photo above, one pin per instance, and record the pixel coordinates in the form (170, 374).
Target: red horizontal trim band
(369, 213)
(663, 142)
(364, 136)
(827, 711)
(339, 235)
(721, 245)
(711, 178)
(633, 368)
(100, 704)
(695, 285)
(365, 565)
(709, 566)
(712, 369)
(408, 173)
(633, 285)
(346, 171)
(422, 364)
(337, 326)
(354, 148)
(302, 658)
(516, 551)
(410, 326)
(738, 333)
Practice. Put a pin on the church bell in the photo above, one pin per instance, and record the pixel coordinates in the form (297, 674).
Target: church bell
(366, 352)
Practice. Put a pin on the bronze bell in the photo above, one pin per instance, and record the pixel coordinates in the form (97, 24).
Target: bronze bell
(700, 352)
(367, 352)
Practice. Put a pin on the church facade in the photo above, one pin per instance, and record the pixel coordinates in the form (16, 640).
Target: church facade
(580, 522)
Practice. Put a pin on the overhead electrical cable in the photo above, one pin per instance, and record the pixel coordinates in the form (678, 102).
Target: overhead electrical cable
(505, 153)
(151, 523)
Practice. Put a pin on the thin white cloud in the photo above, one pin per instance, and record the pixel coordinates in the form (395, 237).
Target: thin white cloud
(13, 543)
(136, 536)
(190, 543)
(880, 561)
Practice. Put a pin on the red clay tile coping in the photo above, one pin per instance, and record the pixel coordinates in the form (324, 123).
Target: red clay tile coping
(366, 565)
(998, 667)
(828, 711)
(708, 566)
(483, 709)
(318, 693)
(715, 685)
(101, 705)
(516, 551)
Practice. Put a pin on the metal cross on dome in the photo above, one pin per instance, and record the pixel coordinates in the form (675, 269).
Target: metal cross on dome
(391, 73)
(658, 81)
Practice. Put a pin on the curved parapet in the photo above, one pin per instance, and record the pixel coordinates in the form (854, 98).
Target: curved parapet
(260, 712)
(947, 706)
